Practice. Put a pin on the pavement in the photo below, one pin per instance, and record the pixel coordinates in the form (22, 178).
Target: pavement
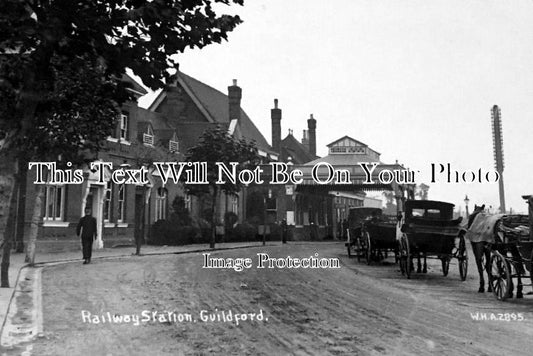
(21, 305)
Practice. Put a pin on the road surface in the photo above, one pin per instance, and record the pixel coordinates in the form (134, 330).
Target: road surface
(351, 310)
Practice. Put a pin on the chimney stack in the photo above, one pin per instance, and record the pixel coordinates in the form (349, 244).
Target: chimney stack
(311, 125)
(234, 100)
(305, 140)
(275, 115)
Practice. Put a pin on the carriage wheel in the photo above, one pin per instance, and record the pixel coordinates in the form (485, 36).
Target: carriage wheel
(404, 256)
(445, 265)
(462, 258)
(500, 276)
(368, 248)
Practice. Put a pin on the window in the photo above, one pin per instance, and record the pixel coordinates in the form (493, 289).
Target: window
(121, 203)
(173, 146)
(234, 203)
(124, 126)
(148, 136)
(161, 204)
(188, 202)
(108, 198)
(54, 197)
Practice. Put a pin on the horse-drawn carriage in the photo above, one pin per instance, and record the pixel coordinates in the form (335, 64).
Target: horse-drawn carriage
(507, 250)
(429, 230)
(371, 235)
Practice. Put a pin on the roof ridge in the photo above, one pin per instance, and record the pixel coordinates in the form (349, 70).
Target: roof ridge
(202, 83)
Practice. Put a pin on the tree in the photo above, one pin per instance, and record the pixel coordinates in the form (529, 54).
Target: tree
(217, 145)
(39, 39)
(180, 215)
(71, 121)
(390, 202)
(422, 191)
(144, 156)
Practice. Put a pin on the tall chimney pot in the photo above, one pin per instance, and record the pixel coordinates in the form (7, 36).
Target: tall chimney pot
(311, 125)
(234, 101)
(275, 115)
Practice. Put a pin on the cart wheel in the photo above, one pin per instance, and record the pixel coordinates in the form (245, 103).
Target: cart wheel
(500, 277)
(368, 247)
(445, 265)
(404, 256)
(462, 258)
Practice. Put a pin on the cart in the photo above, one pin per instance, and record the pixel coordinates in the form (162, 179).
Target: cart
(511, 256)
(371, 235)
(429, 231)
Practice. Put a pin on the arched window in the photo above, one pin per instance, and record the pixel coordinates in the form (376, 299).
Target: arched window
(188, 202)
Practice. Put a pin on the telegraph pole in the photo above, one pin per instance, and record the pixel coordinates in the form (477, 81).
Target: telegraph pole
(497, 140)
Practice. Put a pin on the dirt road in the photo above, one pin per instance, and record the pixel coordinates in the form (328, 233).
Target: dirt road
(354, 309)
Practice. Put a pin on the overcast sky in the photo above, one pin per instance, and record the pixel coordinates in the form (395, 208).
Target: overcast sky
(414, 80)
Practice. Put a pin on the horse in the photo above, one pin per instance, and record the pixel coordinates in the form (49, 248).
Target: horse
(483, 230)
(480, 249)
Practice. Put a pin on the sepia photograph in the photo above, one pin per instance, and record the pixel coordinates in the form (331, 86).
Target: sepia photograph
(268, 177)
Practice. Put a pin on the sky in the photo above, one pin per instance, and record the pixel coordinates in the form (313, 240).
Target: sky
(414, 80)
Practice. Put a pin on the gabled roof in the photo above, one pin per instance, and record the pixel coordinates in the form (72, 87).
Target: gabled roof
(214, 106)
(162, 130)
(135, 87)
(349, 138)
(343, 160)
(290, 146)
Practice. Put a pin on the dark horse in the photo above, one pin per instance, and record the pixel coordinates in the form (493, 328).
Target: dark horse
(480, 249)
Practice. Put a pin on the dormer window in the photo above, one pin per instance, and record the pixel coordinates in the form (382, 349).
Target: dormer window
(173, 145)
(148, 136)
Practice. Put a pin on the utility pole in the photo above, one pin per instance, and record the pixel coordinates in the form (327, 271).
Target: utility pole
(497, 140)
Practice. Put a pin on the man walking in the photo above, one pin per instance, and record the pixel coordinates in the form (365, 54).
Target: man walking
(87, 228)
(284, 231)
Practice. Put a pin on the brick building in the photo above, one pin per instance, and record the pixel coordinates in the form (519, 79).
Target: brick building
(169, 127)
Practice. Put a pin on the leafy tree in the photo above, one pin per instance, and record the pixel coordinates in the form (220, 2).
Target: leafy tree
(39, 40)
(217, 145)
(180, 215)
(71, 121)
